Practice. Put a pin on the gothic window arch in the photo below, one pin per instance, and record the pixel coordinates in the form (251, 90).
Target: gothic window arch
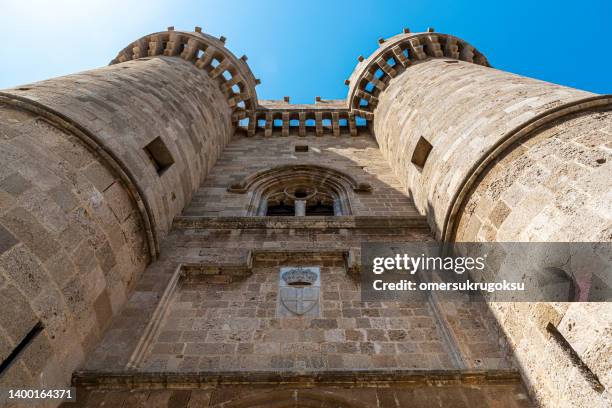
(300, 190)
(302, 199)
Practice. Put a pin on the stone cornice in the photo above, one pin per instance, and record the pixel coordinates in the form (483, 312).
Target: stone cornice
(322, 222)
(356, 378)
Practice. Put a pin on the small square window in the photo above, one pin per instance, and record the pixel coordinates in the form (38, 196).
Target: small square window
(421, 153)
(159, 155)
(301, 148)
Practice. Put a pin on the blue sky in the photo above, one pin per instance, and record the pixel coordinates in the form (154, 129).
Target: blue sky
(307, 48)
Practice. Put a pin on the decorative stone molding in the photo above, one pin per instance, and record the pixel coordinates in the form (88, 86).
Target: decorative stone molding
(169, 380)
(417, 222)
(524, 130)
(207, 53)
(319, 172)
(107, 156)
(299, 275)
(393, 56)
(237, 82)
(318, 182)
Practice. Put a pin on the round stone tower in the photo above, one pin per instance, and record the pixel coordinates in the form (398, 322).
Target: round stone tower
(492, 156)
(95, 166)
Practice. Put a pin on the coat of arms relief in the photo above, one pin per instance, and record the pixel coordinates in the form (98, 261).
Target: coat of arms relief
(299, 292)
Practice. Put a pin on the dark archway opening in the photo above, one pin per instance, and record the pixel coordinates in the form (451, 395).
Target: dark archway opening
(320, 209)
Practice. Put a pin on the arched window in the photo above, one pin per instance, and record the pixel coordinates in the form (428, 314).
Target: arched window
(289, 198)
(300, 190)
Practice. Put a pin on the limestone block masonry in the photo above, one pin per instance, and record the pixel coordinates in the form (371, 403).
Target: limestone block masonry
(147, 207)
(95, 166)
(510, 159)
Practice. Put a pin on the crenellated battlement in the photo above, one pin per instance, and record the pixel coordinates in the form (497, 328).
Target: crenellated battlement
(372, 75)
(208, 53)
(322, 117)
(341, 116)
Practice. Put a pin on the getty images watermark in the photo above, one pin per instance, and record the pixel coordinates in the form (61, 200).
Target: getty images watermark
(503, 272)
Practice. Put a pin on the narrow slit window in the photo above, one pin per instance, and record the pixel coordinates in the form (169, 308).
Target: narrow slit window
(575, 358)
(421, 153)
(20, 348)
(301, 148)
(159, 155)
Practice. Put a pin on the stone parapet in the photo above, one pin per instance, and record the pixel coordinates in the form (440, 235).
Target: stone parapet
(209, 54)
(372, 76)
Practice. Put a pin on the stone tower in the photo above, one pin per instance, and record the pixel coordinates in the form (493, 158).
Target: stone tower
(156, 218)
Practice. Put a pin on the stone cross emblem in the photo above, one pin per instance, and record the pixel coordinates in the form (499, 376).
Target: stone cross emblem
(299, 290)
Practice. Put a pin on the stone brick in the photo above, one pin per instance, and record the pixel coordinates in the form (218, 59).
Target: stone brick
(23, 268)
(70, 219)
(64, 197)
(15, 184)
(7, 240)
(25, 227)
(17, 317)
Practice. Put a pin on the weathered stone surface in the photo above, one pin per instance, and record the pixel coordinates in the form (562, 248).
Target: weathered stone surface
(327, 390)
(168, 154)
(547, 186)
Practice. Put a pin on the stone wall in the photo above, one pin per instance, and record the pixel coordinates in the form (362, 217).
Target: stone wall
(83, 205)
(552, 186)
(209, 303)
(462, 110)
(72, 245)
(549, 187)
(356, 156)
(130, 104)
(234, 327)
